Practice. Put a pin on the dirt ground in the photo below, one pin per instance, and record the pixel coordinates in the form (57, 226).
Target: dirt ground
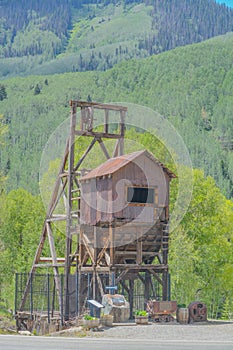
(7, 324)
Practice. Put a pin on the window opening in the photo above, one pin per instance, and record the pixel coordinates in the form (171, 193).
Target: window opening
(140, 195)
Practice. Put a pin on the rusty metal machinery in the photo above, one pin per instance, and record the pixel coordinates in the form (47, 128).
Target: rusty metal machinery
(197, 312)
(161, 311)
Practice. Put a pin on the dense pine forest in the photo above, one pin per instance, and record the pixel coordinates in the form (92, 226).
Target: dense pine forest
(38, 37)
(175, 57)
(190, 86)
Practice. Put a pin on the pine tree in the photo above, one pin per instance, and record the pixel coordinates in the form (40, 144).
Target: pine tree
(37, 90)
(3, 93)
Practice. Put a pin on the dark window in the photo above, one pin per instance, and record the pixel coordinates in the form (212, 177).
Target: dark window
(140, 195)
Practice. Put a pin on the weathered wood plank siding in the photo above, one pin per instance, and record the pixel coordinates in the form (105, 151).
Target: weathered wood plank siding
(104, 198)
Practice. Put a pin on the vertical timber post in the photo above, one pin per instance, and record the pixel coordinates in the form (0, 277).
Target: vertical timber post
(122, 132)
(69, 204)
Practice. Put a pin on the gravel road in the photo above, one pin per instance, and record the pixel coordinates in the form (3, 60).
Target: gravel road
(208, 331)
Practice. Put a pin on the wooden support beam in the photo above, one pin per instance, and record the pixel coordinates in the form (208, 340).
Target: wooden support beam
(81, 251)
(104, 149)
(68, 203)
(88, 247)
(59, 194)
(94, 284)
(140, 267)
(35, 262)
(84, 256)
(116, 149)
(147, 285)
(54, 262)
(131, 297)
(139, 252)
(107, 259)
(99, 269)
(112, 244)
(156, 276)
(153, 287)
(165, 285)
(95, 250)
(98, 105)
(134, 253)
(49, 259)
(58, 217)
(160, 258)
(122, 132)
(98, 134)
(141, 278)
(121, 276)
(100, 284)
(103, 250)
(85, 154)
(122, 282)
(58, 181)
(106, 120)
(49, 265)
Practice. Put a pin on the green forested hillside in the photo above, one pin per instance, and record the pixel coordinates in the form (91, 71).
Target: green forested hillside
(190, 86)
(57, 36)
(201, 247)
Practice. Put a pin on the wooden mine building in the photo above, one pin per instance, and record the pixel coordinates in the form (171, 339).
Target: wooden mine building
(119, 210)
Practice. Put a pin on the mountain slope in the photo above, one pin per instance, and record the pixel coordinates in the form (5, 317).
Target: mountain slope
(191, 86)
(38, 37)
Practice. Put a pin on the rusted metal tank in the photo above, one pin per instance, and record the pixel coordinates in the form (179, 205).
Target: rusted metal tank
(197, 312)
(161, 311)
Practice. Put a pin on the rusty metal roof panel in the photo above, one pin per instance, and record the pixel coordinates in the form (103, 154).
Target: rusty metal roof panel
(114, 164)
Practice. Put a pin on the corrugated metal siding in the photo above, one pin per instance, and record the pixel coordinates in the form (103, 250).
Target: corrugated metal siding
(114, 164)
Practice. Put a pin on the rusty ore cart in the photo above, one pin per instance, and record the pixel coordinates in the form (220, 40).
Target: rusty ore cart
(161, 311)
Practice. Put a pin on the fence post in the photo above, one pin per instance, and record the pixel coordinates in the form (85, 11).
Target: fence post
(76, 294)
(53, 301)
(31, 295)
(16, 291)
(48, 296)
(61, 293)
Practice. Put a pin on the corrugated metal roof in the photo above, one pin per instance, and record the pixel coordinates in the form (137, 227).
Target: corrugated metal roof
(114, 164)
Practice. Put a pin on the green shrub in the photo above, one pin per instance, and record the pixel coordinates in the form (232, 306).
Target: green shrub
(88, 317)
(140, 313)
